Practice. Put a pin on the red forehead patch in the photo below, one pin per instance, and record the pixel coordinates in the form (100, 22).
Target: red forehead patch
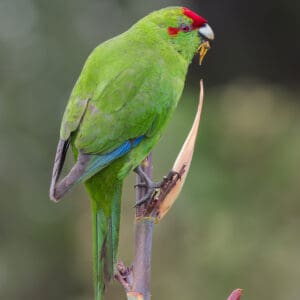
(198, 21)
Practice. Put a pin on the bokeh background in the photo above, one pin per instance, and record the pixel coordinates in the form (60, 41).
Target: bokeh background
(237, 221)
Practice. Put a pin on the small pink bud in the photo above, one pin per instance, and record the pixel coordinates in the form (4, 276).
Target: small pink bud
(235, 295)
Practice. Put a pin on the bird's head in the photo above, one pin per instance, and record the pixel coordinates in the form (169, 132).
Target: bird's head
(185, 30)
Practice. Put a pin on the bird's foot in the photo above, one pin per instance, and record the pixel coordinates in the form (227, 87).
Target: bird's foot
(152, 187)
(146, 182)
(147, 197)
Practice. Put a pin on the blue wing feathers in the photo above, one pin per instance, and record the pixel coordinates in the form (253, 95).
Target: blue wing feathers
(86, 166)
(98, 162)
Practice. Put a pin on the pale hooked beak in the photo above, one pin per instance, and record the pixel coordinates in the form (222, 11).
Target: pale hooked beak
(206, 32)
(208, 35)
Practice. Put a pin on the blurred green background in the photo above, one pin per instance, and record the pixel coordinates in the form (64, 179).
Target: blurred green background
(237, 221)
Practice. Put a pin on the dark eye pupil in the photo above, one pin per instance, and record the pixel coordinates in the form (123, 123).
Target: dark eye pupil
(185, 28)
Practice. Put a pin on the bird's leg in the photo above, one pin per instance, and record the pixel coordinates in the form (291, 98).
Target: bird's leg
(151, 186)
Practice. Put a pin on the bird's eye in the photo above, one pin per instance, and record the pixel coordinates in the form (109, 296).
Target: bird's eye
(185, 28)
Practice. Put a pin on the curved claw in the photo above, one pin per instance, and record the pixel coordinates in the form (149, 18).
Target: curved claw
(170, 176)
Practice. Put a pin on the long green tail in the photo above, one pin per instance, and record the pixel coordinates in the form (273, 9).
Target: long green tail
(105, 191)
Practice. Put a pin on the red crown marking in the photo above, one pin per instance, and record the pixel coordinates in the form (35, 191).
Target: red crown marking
(198, 21)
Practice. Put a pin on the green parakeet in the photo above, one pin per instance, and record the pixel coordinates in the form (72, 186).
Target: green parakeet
(119, 106)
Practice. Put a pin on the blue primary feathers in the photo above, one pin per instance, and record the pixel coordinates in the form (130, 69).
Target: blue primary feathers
(98, 162)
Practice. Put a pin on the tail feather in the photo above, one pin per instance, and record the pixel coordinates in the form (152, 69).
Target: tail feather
(105, 192)
(61, 151)
(100, 173)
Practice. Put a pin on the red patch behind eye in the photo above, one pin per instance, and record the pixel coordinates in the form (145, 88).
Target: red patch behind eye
(173, 30)
(198, 21)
